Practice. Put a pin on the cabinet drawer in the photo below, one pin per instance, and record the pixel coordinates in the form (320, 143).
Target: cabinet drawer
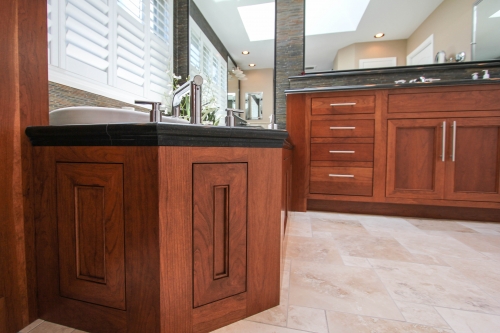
(341, 180)
(353, 152)
(342, 128)
(475, 100)
(343, 105)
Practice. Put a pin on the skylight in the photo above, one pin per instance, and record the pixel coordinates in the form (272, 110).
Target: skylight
(497, 14)
(258, 21)
(331, 16)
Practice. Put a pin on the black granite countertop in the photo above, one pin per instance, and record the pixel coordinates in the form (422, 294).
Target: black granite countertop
(155, 134)
(394, 85)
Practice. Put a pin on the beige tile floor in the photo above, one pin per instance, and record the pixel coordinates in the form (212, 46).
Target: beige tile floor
(349, 273)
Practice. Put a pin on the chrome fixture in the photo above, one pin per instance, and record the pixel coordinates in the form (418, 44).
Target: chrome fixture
(413, 81)
(154, 114)
(230, 116)
(460, 57)
(400, 81)
(193, 88)
(343, 104)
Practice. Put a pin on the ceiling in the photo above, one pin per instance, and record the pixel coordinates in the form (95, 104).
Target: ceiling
(396, 18)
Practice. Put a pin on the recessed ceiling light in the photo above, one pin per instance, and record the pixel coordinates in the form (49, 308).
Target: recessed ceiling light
(497, 14)
(379, 35)
(251, 65)
(245, 52)
(331, 16)
(258, 21)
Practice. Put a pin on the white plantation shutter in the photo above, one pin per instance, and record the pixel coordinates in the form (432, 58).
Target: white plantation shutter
(130, 52)
(195, 55)
(87, 39)
(116, 48)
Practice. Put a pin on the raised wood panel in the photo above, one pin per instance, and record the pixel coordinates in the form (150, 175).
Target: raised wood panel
(326, 105)
(471, 100)
(475, 173)
(355, 152)
(414, 167)
(342, 128)
(220, 313)
(338, 180)
(91, 233)
(219, 231)
(51, 305)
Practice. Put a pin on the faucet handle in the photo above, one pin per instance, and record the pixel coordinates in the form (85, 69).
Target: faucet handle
(154, 114)
(230, 117)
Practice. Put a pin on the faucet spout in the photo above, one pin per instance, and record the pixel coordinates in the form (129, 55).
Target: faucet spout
(193, 88)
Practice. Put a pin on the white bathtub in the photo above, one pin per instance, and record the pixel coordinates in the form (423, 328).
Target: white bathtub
(99, 115)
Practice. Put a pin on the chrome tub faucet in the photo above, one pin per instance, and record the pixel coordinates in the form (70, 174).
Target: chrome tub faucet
(193, 88)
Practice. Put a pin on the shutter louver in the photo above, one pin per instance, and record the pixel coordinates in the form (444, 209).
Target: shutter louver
(131, 53)
(49, 30)
(194, 54)
(158, 65)
(87, 40)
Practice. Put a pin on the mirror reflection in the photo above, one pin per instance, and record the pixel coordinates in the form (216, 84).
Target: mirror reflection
(486, 28)
(240, 36)
(355, 34)
(253, 105)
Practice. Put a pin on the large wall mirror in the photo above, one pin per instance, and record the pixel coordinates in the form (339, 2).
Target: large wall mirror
(342, 34)
(239, 37)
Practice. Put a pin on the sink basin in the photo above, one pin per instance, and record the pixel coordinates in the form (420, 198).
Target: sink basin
(99, 115)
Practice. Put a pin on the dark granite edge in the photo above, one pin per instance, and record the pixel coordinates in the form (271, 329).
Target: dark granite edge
(394, 86)
(154, 134)
(398, 69)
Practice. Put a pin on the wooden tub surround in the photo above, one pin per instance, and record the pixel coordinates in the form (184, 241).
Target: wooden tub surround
(157, 238)
(430, 151)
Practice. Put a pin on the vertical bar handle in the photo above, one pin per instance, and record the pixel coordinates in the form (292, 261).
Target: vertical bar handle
(443, 147)
(454, 142)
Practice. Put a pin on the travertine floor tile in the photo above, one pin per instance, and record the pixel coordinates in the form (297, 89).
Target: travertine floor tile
(478, 242)
(470, 322)
(302, 228)
(436, 246)
(307, 319)
(348, 323)
(421, 314)
(483, 227)
(439, 225)
(312, 249)
(385, 224)
(484, 274)
(340, 288)
(275, 316)
(372, 247)
(245, 326)
(31, 326)
(47, 327)
(338, 227)
(356, 262)
(433, 285)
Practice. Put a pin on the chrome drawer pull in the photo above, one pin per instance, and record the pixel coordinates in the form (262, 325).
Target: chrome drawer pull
(454, 144)
(341, 176)
(343, 104)
(342, 128)
(342, 151)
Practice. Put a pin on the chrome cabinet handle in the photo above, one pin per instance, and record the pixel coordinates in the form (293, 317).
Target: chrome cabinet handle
(340, 176)
(342, 151)
(454, 142)
(443, 147)
(343, 104)
(342, 128)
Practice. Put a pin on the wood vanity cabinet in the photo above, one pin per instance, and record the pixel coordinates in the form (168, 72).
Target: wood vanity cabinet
(156, 239)
(397, 151)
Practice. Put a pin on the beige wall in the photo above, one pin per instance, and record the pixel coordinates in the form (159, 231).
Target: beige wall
(348, 57)
(451, 24)
(345, 58)
(259, 80)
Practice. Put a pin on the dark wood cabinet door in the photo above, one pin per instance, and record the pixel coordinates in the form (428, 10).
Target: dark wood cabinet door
(415, 166)
(473, 161)
(219, 231)
(91, 229)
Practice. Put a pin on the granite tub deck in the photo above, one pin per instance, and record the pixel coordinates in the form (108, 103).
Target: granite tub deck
(156, 227)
